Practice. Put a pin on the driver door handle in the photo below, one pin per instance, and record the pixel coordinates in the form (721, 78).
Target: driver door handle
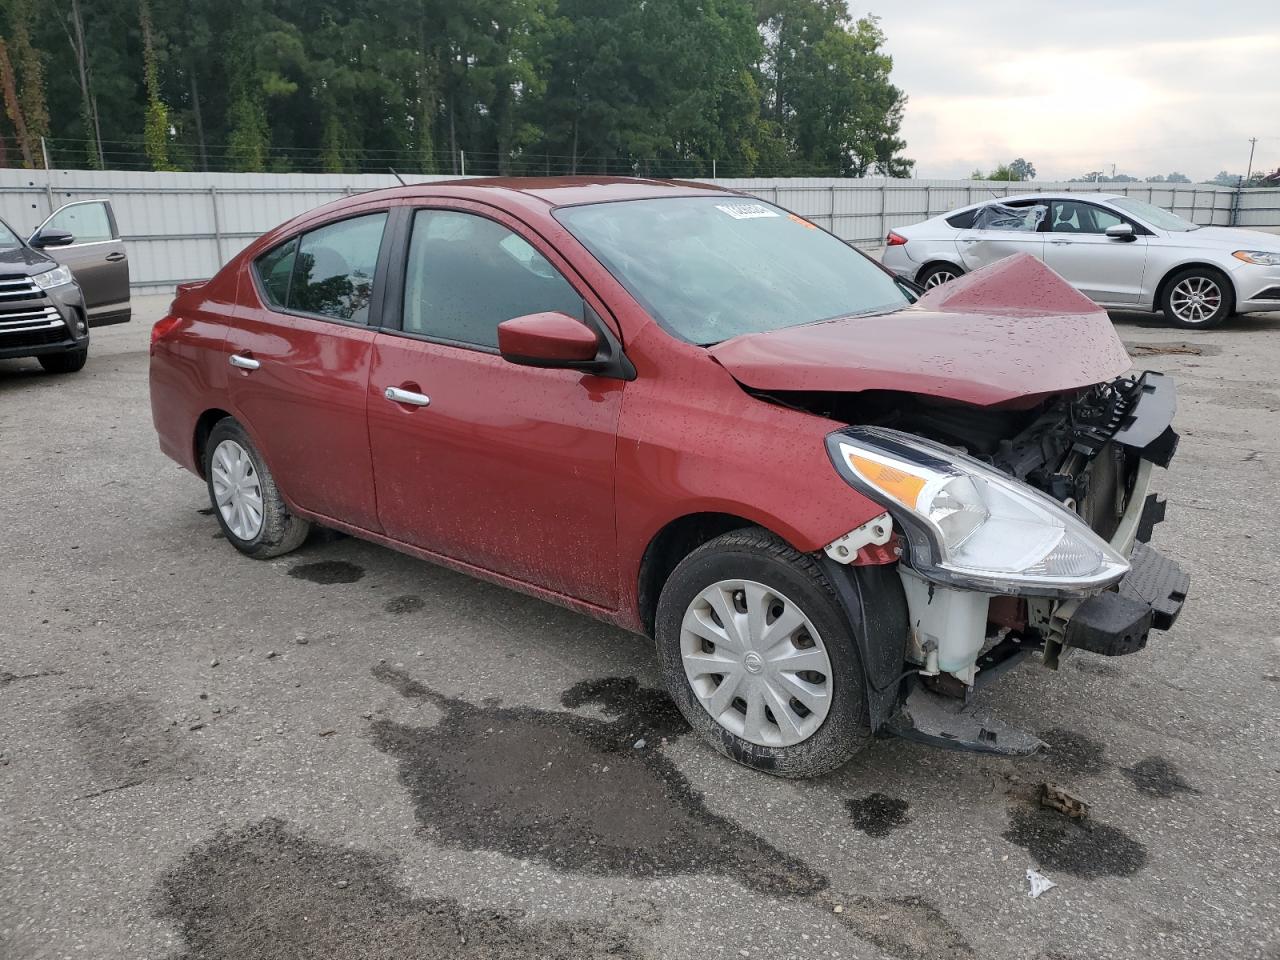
(115, 257)
(396, 395)
(244, 363)
(1059, 242)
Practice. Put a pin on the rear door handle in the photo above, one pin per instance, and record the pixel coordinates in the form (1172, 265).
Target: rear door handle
(115, 257)
(244, 363)
(396, 395)
(1059, 243)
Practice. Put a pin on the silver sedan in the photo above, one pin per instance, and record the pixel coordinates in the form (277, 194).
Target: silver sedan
(1121, 252)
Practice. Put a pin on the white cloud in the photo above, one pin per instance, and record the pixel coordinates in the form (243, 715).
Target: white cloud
(1150, 87)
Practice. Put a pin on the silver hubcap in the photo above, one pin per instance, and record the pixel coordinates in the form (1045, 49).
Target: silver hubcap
(236, 491)
(755, 663)
(938, 278)
(1195, 299)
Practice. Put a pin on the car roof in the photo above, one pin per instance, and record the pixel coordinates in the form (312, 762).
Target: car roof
(558, 191)
(1047, 195)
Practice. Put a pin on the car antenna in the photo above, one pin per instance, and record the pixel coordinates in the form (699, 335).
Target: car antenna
(397, 176)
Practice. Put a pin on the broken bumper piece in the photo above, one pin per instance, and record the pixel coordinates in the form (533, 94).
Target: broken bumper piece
(1149, 597)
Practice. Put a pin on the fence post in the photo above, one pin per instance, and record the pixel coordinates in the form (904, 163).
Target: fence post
(831, 217)
(1235, 205)
(884, 212)
(928, 202)
(217, 226)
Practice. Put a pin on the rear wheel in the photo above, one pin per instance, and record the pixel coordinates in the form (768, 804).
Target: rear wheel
(68, 362)
(1197, 299)
(249, 508)
(937, 274)
(759, 657)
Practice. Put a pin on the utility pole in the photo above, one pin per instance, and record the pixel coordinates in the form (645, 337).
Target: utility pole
(1253, 143)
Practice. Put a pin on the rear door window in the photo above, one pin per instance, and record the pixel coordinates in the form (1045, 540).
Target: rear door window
(326, 272)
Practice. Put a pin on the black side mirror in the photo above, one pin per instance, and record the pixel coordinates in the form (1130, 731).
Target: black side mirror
(49, 237)
(1122, 232)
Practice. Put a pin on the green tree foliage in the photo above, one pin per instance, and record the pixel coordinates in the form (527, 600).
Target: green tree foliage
(660, 88)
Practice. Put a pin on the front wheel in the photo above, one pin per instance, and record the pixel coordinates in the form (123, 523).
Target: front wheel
(1197, 299)
(759, 657)
(249, 508)
(69, 362)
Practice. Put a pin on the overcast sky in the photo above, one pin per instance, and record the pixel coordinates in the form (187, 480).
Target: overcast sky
(1076, 86)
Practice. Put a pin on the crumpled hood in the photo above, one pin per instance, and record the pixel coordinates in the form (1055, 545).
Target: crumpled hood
(1009, 331)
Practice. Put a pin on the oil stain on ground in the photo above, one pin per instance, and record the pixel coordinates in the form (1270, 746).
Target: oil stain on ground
(877, 814)
(327, 572)
(1074, 753)
(1085, 848)
(126, 741)
(1157, 777)
(577, 793)
(404, 604)
(573, 791)
(264, 892)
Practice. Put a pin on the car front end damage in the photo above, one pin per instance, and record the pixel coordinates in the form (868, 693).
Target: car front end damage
(1008, 546)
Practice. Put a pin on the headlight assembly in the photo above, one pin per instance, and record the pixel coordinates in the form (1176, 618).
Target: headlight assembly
(1260, 257)
(970, 525)
(52, 278)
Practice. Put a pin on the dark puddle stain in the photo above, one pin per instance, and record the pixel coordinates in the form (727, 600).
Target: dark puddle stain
(126, 741)
(572, 791)
(1157, 777)
(327, 572)
(1095, 667)
(218, 536)
(877, 814)
(406, 604)
(576, 793)
(265, 892)
(1073, 753)
(1085, 848)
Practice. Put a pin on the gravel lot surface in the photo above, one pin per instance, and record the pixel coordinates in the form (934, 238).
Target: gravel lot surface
(348, 753)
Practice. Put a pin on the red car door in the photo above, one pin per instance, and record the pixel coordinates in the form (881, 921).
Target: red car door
(299, 352)
(507, 468)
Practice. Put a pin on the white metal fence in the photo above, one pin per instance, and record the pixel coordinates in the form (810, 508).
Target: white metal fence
(184, 226)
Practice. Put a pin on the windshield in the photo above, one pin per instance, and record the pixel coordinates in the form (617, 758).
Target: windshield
(712, 268)
(1156, 216)
(7, 237)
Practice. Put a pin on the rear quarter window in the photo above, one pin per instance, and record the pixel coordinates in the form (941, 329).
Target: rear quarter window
(274, 268)
(962, 220)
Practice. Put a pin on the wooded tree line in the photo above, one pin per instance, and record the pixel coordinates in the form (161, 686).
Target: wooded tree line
(652, 87)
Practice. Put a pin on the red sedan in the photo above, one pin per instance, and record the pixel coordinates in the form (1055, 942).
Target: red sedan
(836, 505)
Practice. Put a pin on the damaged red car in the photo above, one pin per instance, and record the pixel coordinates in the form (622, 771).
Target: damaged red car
(836, 504)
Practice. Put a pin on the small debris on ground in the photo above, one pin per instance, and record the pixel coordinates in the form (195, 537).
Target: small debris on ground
(1039, 883)
(1055, 798)
(639, 744)
(196, 726)
(327, 733)
(1156, 349)
(272, 654)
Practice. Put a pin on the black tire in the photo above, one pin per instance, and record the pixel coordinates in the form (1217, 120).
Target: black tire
(755, 554)
(936, 274)
(280, 531)
(70, 362)
(1178, 312)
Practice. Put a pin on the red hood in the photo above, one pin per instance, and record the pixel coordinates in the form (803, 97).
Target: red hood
(1012, 330)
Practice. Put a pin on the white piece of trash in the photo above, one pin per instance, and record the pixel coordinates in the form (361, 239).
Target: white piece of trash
(1039, 883)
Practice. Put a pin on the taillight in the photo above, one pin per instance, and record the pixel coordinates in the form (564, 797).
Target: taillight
(164, 327)
(894, 240)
